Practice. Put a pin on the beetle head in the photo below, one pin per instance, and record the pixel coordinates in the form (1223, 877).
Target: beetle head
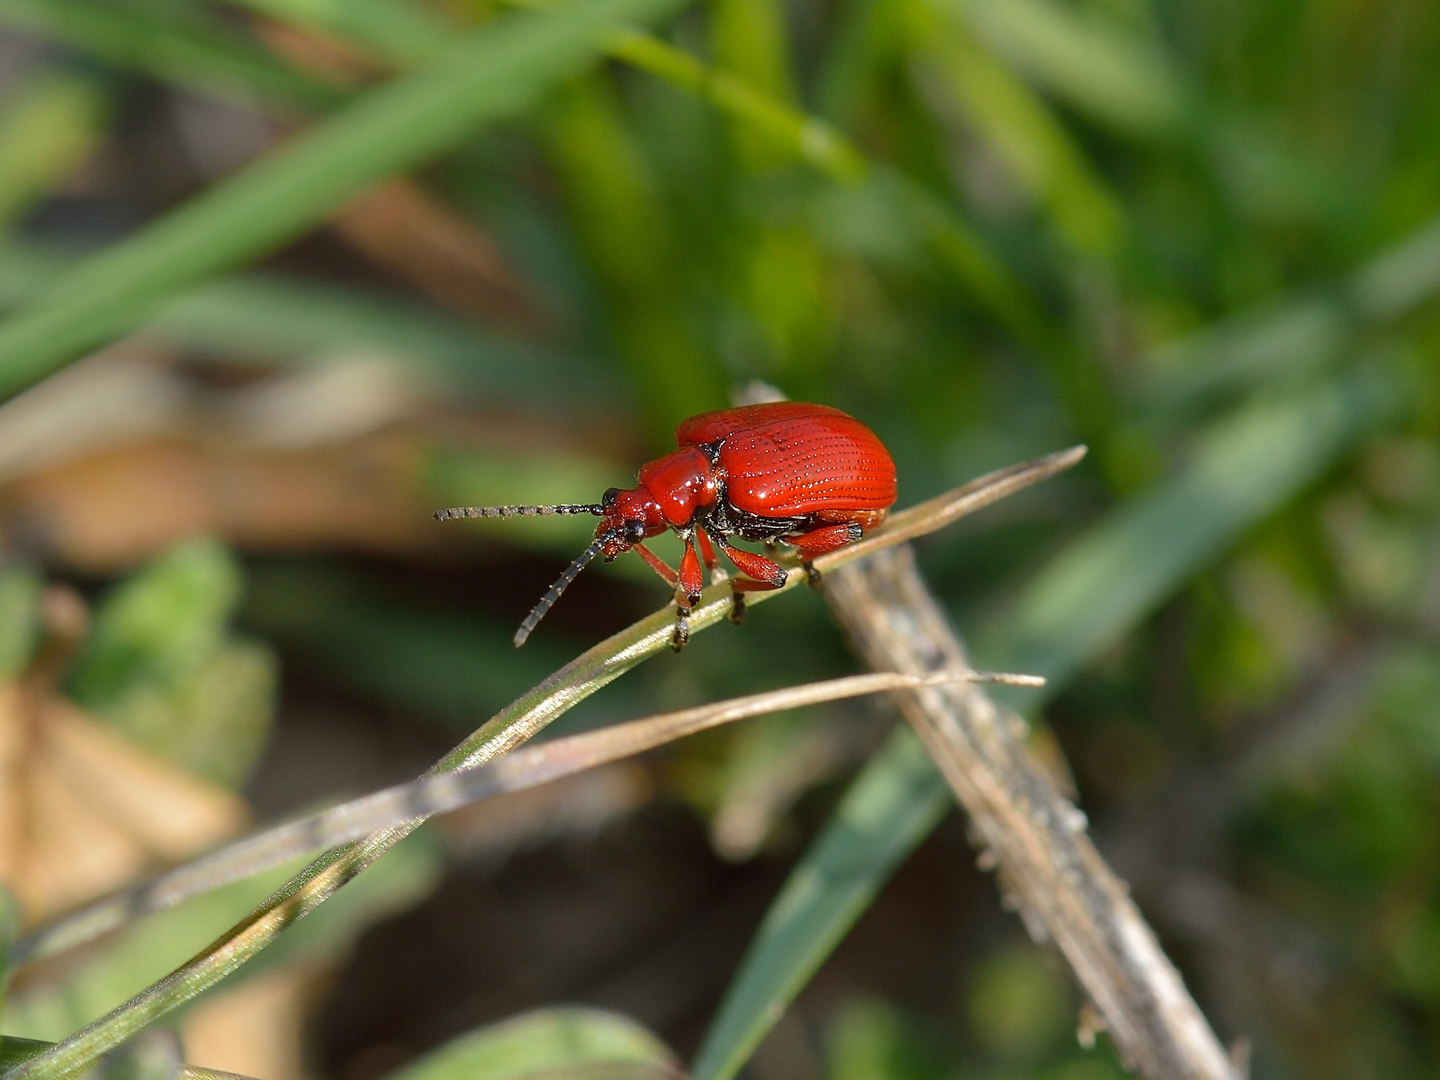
(629, 517)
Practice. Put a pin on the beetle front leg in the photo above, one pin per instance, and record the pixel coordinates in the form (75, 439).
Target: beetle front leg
(687, 591)
(692, 580)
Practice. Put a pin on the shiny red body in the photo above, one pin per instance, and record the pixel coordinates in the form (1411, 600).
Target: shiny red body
(808, 475)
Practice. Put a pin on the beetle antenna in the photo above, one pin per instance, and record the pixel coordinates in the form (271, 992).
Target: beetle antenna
(561, 584)
(455, 512)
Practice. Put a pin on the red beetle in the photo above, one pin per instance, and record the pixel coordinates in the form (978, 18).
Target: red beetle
(807, 475)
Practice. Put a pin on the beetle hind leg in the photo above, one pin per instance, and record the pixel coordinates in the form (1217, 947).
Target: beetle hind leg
(819, 542)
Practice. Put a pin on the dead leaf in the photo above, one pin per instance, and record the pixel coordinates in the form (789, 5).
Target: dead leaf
(82, 810)
(112, 510)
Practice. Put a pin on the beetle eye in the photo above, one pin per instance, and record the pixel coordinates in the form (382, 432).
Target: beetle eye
(634, 532)
(608, 499)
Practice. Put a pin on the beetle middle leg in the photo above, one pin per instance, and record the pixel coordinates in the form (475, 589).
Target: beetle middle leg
(764, 574)
(709, 558)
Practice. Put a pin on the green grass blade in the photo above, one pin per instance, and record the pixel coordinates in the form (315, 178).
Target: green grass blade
(272, 318)
(1038, 151)
(893, 805)
(961, 249)
(1244, 467)
(490, 74)
(14, 1050)
(1107, 71)
(1098, 588)
(195, 52)
(1301, 335)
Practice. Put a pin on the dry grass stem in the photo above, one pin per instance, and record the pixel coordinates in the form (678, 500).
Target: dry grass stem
(525, 768)
(1035, 838)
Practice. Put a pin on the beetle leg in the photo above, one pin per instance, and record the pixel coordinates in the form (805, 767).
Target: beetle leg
(691, 578)
(767, 573)
(818, 542)
(825, 539)
(707, 552)
(688, 584)
(657, 564)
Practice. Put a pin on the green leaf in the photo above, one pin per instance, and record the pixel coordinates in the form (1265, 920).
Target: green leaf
(549, 1042)
(1099, 587)
(490, 74)
(159, 624)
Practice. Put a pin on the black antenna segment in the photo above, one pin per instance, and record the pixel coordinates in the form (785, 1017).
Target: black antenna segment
(561, 584)
(456, 512)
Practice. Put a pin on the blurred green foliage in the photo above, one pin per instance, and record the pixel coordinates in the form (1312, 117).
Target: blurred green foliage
(161, 666)
(1202, 239)
(550, 1042)
(19, 617)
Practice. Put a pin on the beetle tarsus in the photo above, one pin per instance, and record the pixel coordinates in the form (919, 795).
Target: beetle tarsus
(812, 576)
(681, 634)
(737, 607)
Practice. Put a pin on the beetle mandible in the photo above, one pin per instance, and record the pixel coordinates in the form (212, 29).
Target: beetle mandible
(809, 476)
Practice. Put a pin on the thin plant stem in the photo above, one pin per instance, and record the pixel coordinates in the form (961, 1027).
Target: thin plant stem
(525, 768)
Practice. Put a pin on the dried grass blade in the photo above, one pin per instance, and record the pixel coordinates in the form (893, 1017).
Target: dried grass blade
(428, 796)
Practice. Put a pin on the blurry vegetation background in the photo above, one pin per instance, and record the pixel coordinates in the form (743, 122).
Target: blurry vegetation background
(279, 277)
